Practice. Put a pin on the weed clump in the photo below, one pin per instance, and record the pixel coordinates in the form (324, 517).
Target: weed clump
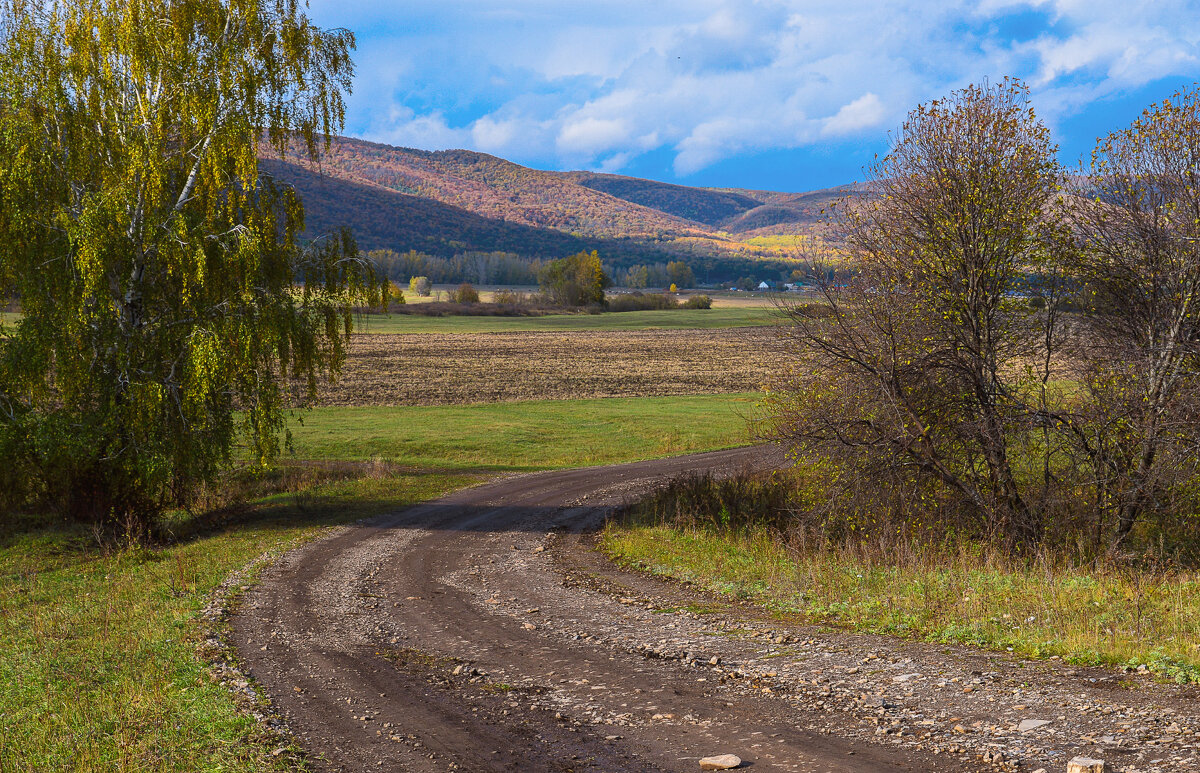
(639, 301)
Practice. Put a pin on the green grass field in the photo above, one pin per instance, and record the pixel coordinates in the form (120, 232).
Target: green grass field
(520, 436)
(101, 668)
(673, 319)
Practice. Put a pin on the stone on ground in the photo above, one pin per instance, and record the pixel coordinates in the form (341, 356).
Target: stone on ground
(721, 762)
(1085, 765)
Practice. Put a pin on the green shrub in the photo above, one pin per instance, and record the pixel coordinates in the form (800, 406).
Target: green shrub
(464, 294)
(698, 302)
(575, 281)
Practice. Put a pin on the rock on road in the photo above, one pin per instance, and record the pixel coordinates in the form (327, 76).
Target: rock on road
(478, 632)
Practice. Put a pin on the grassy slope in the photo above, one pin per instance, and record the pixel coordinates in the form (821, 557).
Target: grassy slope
(674, 319)
(526, 435)
(1083, 616)
(100, 670)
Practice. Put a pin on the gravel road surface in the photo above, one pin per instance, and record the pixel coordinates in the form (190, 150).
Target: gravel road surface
(480, 632)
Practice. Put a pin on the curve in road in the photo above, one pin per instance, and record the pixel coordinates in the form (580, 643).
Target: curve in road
(448, 637)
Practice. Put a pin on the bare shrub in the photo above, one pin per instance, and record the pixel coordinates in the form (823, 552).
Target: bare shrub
(637, 301)
(511, 298)
(910, 384)
(1138, 426)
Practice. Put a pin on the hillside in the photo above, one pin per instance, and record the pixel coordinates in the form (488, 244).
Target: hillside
(732, 210)
(382, 218)
(701, 205)
(447, 202)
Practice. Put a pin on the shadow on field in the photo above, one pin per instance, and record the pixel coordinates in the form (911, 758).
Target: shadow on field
(295, 495)
(317, 494)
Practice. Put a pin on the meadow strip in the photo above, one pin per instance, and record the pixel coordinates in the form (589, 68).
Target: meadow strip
(973, 597)
(534, 435)
(728, 316)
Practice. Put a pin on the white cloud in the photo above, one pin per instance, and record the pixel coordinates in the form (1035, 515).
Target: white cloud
(491, 135)
(428, 132)
(615, 163)
(592, 136)
(596, 84)
(865, 112)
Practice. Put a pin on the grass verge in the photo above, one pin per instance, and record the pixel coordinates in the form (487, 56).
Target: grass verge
(100, 668)
(974, 597)
(522, 436)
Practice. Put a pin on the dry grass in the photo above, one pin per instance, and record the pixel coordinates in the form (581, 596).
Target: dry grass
(969, 595)
(501, 367)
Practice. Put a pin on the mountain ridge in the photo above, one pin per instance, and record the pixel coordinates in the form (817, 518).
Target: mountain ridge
(450, 201)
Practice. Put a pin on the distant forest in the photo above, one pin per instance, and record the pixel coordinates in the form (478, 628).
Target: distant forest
(507, 268)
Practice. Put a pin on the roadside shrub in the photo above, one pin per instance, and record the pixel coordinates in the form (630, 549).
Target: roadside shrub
(792, 504)
(698, 302)
(730, 503)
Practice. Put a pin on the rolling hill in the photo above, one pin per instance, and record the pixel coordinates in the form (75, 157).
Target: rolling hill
(447, 202)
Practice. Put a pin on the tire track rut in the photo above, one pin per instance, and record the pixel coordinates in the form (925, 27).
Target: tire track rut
(444, 638)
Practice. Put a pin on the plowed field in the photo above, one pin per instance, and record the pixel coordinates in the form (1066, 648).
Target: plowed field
(494, 367)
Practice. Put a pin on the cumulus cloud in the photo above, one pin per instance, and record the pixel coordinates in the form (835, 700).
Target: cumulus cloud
(592, 136)
(430, 131)
(596, 84)
(865, 112)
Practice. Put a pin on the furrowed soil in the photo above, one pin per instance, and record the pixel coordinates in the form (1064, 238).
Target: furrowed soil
(433, 369)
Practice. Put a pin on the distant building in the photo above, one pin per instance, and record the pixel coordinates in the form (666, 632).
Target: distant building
(764, 286)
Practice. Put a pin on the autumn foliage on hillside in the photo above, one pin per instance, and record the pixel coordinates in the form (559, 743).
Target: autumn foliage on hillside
(447, 203)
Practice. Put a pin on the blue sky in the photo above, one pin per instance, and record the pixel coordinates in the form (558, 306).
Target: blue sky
(773, 94)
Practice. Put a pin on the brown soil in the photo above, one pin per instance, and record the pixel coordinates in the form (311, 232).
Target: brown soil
(497, 367)
(480, 632)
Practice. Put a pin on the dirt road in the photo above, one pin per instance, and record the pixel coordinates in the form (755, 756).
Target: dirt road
(479, 633)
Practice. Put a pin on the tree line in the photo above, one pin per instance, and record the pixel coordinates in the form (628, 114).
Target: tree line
(1016, 352)
(477, 267)
(507, 268)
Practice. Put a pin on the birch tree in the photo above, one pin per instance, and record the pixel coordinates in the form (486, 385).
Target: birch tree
(169, 308)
